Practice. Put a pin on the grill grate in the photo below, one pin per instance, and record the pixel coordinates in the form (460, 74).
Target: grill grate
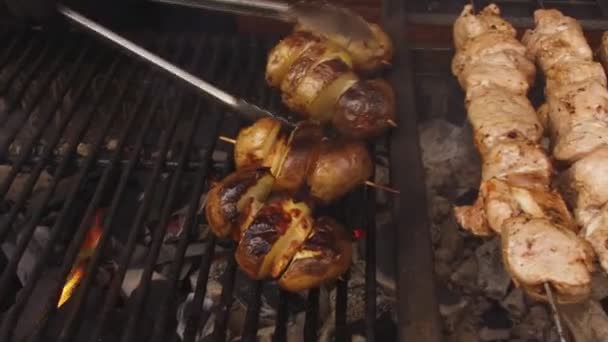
(592, 14)
(89, 115)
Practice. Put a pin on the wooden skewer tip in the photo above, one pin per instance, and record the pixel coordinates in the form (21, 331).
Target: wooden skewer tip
(392, 123)
(368, 183)
(381, 187)
(228, 140)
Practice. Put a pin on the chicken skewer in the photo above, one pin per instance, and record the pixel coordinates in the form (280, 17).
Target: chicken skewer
(367, 182)
(278, 237)
(539, 240)
(576, 114)
(304, 159)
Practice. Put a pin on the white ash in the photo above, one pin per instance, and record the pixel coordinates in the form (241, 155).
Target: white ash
(478, 301)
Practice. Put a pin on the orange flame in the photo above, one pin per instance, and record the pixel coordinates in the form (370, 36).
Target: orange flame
(85, 252)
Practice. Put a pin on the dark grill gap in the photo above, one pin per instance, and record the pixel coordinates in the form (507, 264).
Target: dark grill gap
(86, 113)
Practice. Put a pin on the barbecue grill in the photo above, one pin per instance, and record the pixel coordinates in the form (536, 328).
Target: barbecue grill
(89, 132)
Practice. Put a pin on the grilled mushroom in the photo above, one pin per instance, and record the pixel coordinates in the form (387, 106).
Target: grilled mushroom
(324, 256)
(232, 203)
(273, 237)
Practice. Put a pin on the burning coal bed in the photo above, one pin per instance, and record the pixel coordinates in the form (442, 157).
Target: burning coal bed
(478, 301)
(244, 289)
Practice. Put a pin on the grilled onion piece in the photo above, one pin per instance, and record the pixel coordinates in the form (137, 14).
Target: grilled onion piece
(324, 256)
(273, 237)
(340, 167)
(255, 143)
(367, 56)
(233, 203)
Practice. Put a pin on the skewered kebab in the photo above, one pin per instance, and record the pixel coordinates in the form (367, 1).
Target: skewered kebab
(539, 240)
(278, 237)
(303, 158)
(317, 79)
(577, 116)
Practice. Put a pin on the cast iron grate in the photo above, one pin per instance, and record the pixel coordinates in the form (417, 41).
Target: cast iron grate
(591, 13)
(92, 119)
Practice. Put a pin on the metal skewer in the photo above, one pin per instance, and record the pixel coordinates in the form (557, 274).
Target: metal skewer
(555, 313)
(243, 107)
(367, 183)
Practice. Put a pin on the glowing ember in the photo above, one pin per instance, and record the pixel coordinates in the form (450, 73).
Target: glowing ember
(359, 234)
(86, 251)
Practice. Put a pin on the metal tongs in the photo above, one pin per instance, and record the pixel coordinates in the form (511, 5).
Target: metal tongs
(321, 17)
(246, 109)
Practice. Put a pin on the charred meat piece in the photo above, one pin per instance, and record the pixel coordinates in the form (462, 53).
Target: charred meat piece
(234, 202)
(324, 256)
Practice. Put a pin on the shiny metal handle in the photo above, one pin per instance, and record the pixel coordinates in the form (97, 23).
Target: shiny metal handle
(264, 8)
(148, 56)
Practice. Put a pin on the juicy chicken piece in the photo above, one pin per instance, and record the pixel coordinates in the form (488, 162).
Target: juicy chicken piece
(539, 238)
(585, 186)
(469, 25)
(498, 116)
(519, 162)
(556, 39)
(538, 251)
(499, 202)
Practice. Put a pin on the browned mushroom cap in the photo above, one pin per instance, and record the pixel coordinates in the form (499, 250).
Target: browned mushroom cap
(324, 256)
(365, 110)
(303, 148)
(234, 201)
(340, 167)
(271, 240)
(283, 55)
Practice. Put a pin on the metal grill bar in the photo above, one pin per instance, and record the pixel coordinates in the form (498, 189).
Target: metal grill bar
(19, 65)
(161, 228)
(29, 108)
(253, 313)
(6, 224)
(369, 201)
(280, 330)
(8, 325)
(29, 228)
(108, 224)
(80, 234)
(136, 227)
(221, 321)
(201, 285)
(312, 316)
(341, 308)
(27, 149)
